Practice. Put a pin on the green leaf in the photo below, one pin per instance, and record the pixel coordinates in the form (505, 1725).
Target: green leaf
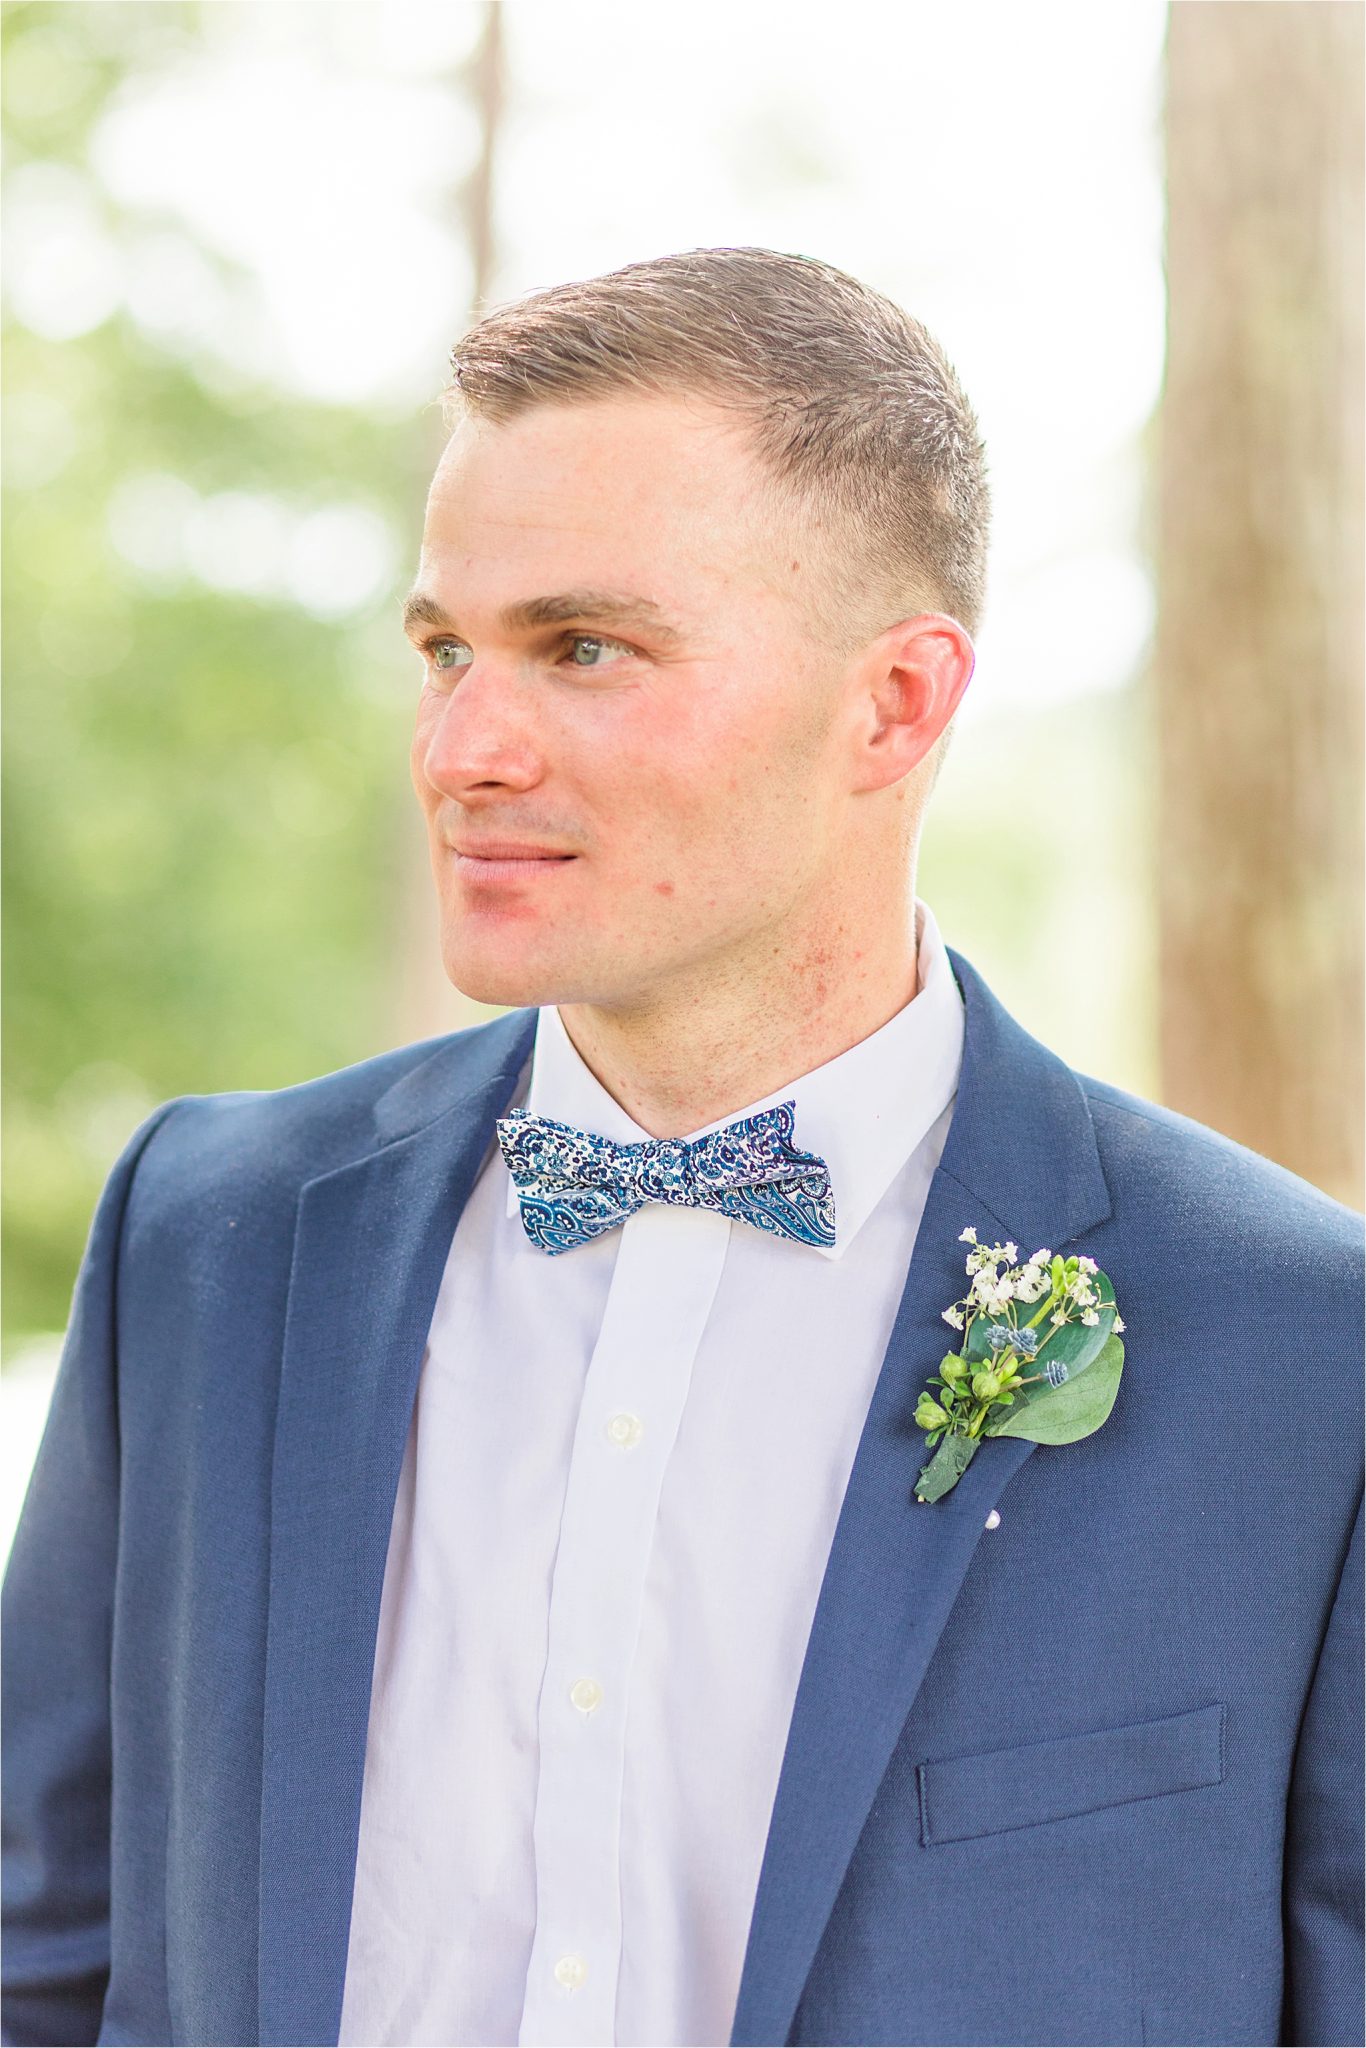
(1065, 1414)
(946, 1467)
(1075, 1345)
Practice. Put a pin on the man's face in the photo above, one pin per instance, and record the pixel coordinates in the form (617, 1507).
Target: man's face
(618, 677)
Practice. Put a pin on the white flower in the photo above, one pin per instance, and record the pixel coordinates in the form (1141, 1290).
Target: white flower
(968, 1236)
(1090, 1316)
(992, 1291)
(1119, 1322)
(1057, 1316)
(1009, 1252)
(1087, 1266)
(1043, 1257)
(954, 1316)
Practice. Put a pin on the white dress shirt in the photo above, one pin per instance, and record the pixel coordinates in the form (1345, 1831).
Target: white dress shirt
(621, 1483)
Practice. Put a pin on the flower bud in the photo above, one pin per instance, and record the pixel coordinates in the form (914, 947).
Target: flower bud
(928, 1413)
(986, 1385)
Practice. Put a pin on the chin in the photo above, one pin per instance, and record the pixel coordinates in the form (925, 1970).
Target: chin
(507, 982)
(503, 988)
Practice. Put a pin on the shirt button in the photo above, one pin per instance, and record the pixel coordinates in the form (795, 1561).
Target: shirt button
(571, 1971)
(625, 1431)
(585, 1693)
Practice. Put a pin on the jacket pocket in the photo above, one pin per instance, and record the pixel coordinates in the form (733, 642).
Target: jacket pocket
(964, 1796)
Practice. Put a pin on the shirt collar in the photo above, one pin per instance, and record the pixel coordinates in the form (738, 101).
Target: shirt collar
(863, 1112)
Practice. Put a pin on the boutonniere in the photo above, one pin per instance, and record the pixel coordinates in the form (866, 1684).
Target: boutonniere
(1041, 1358)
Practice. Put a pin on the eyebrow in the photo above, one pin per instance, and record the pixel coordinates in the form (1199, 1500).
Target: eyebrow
(604, 607)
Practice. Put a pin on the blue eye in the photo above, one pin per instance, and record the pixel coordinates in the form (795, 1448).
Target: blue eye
(444, 652)
(595, 644)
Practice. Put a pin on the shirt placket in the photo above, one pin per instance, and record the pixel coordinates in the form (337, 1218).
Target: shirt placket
(663, 1284)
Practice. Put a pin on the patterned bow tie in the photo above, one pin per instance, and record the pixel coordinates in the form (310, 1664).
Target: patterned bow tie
(574, 1185)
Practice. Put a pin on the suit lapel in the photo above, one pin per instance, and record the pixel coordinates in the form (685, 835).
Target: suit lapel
(1020, 1162)
(371, 1241)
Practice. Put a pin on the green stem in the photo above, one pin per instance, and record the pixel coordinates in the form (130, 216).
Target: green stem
(1053, 1299)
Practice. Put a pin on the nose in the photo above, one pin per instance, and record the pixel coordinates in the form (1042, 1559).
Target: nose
(479, 736)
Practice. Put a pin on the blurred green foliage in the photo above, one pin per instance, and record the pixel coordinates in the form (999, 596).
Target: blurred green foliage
(200, 825)
(1037, 861)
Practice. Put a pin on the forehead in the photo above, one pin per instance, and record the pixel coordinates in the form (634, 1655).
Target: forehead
(617, 487)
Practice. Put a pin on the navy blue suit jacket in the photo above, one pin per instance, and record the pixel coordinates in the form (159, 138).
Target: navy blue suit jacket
(1091, 1776)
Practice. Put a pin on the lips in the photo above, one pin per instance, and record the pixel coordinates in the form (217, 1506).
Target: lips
(499, 864)
(498, 853)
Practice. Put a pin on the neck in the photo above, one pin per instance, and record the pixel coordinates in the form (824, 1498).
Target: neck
(678, 1063)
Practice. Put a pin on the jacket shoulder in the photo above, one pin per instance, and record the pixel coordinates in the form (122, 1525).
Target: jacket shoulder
(248, 1140)
(1215, 1194)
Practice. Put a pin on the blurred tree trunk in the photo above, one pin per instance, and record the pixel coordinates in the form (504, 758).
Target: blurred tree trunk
(1259, 702)
(427, 1003)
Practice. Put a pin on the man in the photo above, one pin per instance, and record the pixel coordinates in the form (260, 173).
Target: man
(473, 1587)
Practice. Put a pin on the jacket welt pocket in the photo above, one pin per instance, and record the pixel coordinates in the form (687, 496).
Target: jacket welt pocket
(963, 1796)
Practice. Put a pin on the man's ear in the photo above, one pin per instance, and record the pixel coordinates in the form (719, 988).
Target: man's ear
(912, 680)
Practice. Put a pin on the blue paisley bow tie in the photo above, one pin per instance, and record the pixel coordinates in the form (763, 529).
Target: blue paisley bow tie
(573, 1184)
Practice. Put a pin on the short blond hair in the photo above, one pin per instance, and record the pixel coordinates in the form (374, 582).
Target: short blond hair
(853, 407)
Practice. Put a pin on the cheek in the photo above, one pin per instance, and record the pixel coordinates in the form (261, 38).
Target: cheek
(748, 771)
(679, 800)
(696, 829)
(704, 782)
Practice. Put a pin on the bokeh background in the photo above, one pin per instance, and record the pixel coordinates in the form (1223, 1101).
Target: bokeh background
(240, 240)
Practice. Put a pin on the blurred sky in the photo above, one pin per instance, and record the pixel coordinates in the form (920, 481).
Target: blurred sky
(994, 168)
